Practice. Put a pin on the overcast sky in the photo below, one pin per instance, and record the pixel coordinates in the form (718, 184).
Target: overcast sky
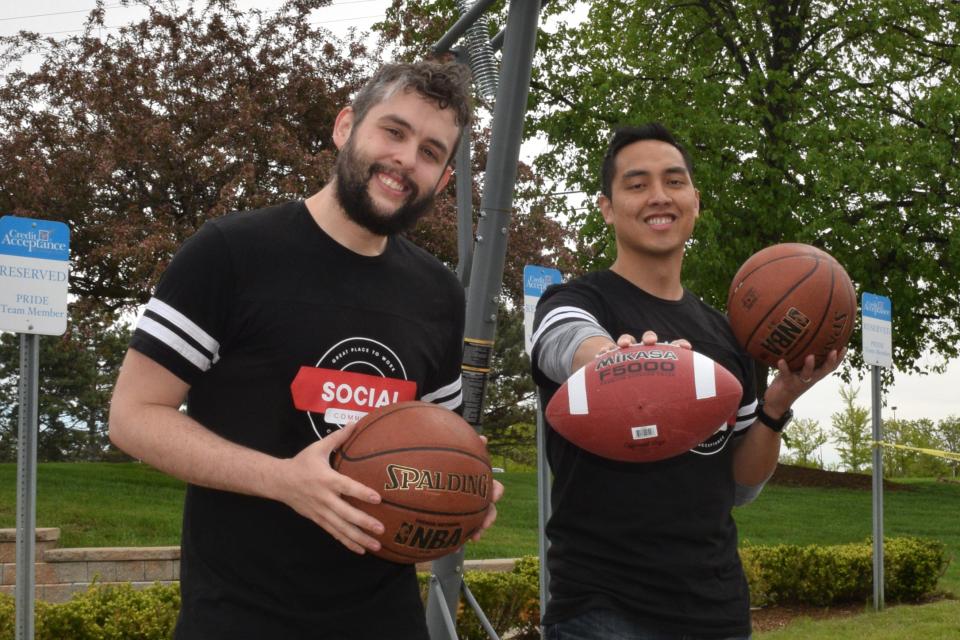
(932, 396)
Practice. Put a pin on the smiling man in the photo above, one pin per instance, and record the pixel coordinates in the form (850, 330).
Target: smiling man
(648, 551)
(259, 315)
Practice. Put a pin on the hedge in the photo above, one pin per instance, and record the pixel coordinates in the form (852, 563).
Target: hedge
(115, 612)
(781, 574)
(824, 575)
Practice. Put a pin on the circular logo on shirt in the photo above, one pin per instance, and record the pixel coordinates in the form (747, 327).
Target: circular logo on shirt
(355, 376)
(715, 443)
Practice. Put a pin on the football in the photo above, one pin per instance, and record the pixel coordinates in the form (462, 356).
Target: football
(644, 403)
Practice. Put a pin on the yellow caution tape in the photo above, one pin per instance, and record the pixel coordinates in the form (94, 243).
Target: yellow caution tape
(930, 452)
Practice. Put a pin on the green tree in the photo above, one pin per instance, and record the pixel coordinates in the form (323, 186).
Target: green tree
(76, 377)
(804, 437)
(138, 137)
(834, 124)
(917, 434)
(949, 429)
(896, 461)
(852, 432)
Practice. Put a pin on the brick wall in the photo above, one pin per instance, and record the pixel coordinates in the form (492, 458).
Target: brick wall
(59, 573)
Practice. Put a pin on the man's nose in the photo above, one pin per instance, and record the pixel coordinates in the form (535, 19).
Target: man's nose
(405, 155)
(658, 193)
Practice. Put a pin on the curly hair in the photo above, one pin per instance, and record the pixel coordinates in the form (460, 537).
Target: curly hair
(447, 84)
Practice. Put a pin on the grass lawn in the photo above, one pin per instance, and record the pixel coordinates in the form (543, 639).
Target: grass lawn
(100, 504)
(936, 621)
(831, 516)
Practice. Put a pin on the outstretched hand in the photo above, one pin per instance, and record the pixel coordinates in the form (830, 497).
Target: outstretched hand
(648, 339)
(790, 385)
(314, 490)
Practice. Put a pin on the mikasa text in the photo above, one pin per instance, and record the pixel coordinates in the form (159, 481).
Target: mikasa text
(620, 364)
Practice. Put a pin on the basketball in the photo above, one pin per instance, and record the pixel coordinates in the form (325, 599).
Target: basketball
(432, 472)
(790, 300)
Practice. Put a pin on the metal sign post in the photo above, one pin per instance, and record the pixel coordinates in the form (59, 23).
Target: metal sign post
(878, 352)
(535, 282)
(27, 484)
(34, 274)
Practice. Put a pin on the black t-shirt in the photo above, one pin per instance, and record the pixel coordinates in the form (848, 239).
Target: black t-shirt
(283, 334)
(654, 540)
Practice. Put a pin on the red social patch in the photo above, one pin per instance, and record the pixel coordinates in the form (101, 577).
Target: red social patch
(318, 390)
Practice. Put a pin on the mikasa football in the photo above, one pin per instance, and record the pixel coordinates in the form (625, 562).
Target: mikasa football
(644, 403)
(432, 472)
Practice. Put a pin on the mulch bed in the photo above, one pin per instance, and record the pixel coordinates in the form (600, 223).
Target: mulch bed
(791, 476)
(777, 617)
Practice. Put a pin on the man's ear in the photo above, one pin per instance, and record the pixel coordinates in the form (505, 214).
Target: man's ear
(343, 126)
(697, 214)
(606, 208)
(444, 179)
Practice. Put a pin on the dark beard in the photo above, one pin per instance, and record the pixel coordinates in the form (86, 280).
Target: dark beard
(352, 192)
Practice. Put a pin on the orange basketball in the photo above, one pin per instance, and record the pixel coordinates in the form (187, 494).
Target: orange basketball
(432, 472)
(790, 300)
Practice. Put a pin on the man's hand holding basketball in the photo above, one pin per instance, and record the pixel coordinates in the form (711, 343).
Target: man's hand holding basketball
(790, 385)
(314, 490)
(492, 509)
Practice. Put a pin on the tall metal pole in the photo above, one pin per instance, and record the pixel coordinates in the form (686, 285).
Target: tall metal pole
(464, 182)
(877, 493)
(545, 508)
(486, 271)
(497, 202)
(27, 484)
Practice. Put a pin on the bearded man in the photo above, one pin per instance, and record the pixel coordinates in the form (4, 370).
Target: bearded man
(267, 322)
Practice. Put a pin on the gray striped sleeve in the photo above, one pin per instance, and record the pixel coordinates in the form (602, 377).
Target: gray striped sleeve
(559, 344)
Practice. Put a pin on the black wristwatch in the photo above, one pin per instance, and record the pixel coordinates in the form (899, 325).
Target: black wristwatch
(775, 425)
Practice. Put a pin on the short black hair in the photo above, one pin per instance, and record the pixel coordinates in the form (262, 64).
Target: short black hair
(627, 135)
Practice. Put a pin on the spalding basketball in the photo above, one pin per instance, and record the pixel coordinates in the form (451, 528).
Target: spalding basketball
(790, 300)
(644, 403)
(432, 472)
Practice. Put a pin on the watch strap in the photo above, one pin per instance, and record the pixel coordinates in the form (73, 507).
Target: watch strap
(775, 425)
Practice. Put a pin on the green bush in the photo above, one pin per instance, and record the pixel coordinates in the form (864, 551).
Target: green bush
(781, 574)
(510, 600)
(822, 575)
(102, 613)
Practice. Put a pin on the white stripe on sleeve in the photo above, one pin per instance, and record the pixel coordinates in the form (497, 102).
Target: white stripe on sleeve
(175, 342)
(453, 387)
(186, 325)
(559, 314)
(745, 416)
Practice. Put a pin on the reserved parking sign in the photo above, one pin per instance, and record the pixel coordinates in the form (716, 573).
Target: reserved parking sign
(34, 275)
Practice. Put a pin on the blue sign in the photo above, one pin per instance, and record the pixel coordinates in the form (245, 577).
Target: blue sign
(537, 279)
(28, 238)
(535, 282)
(878, 307)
